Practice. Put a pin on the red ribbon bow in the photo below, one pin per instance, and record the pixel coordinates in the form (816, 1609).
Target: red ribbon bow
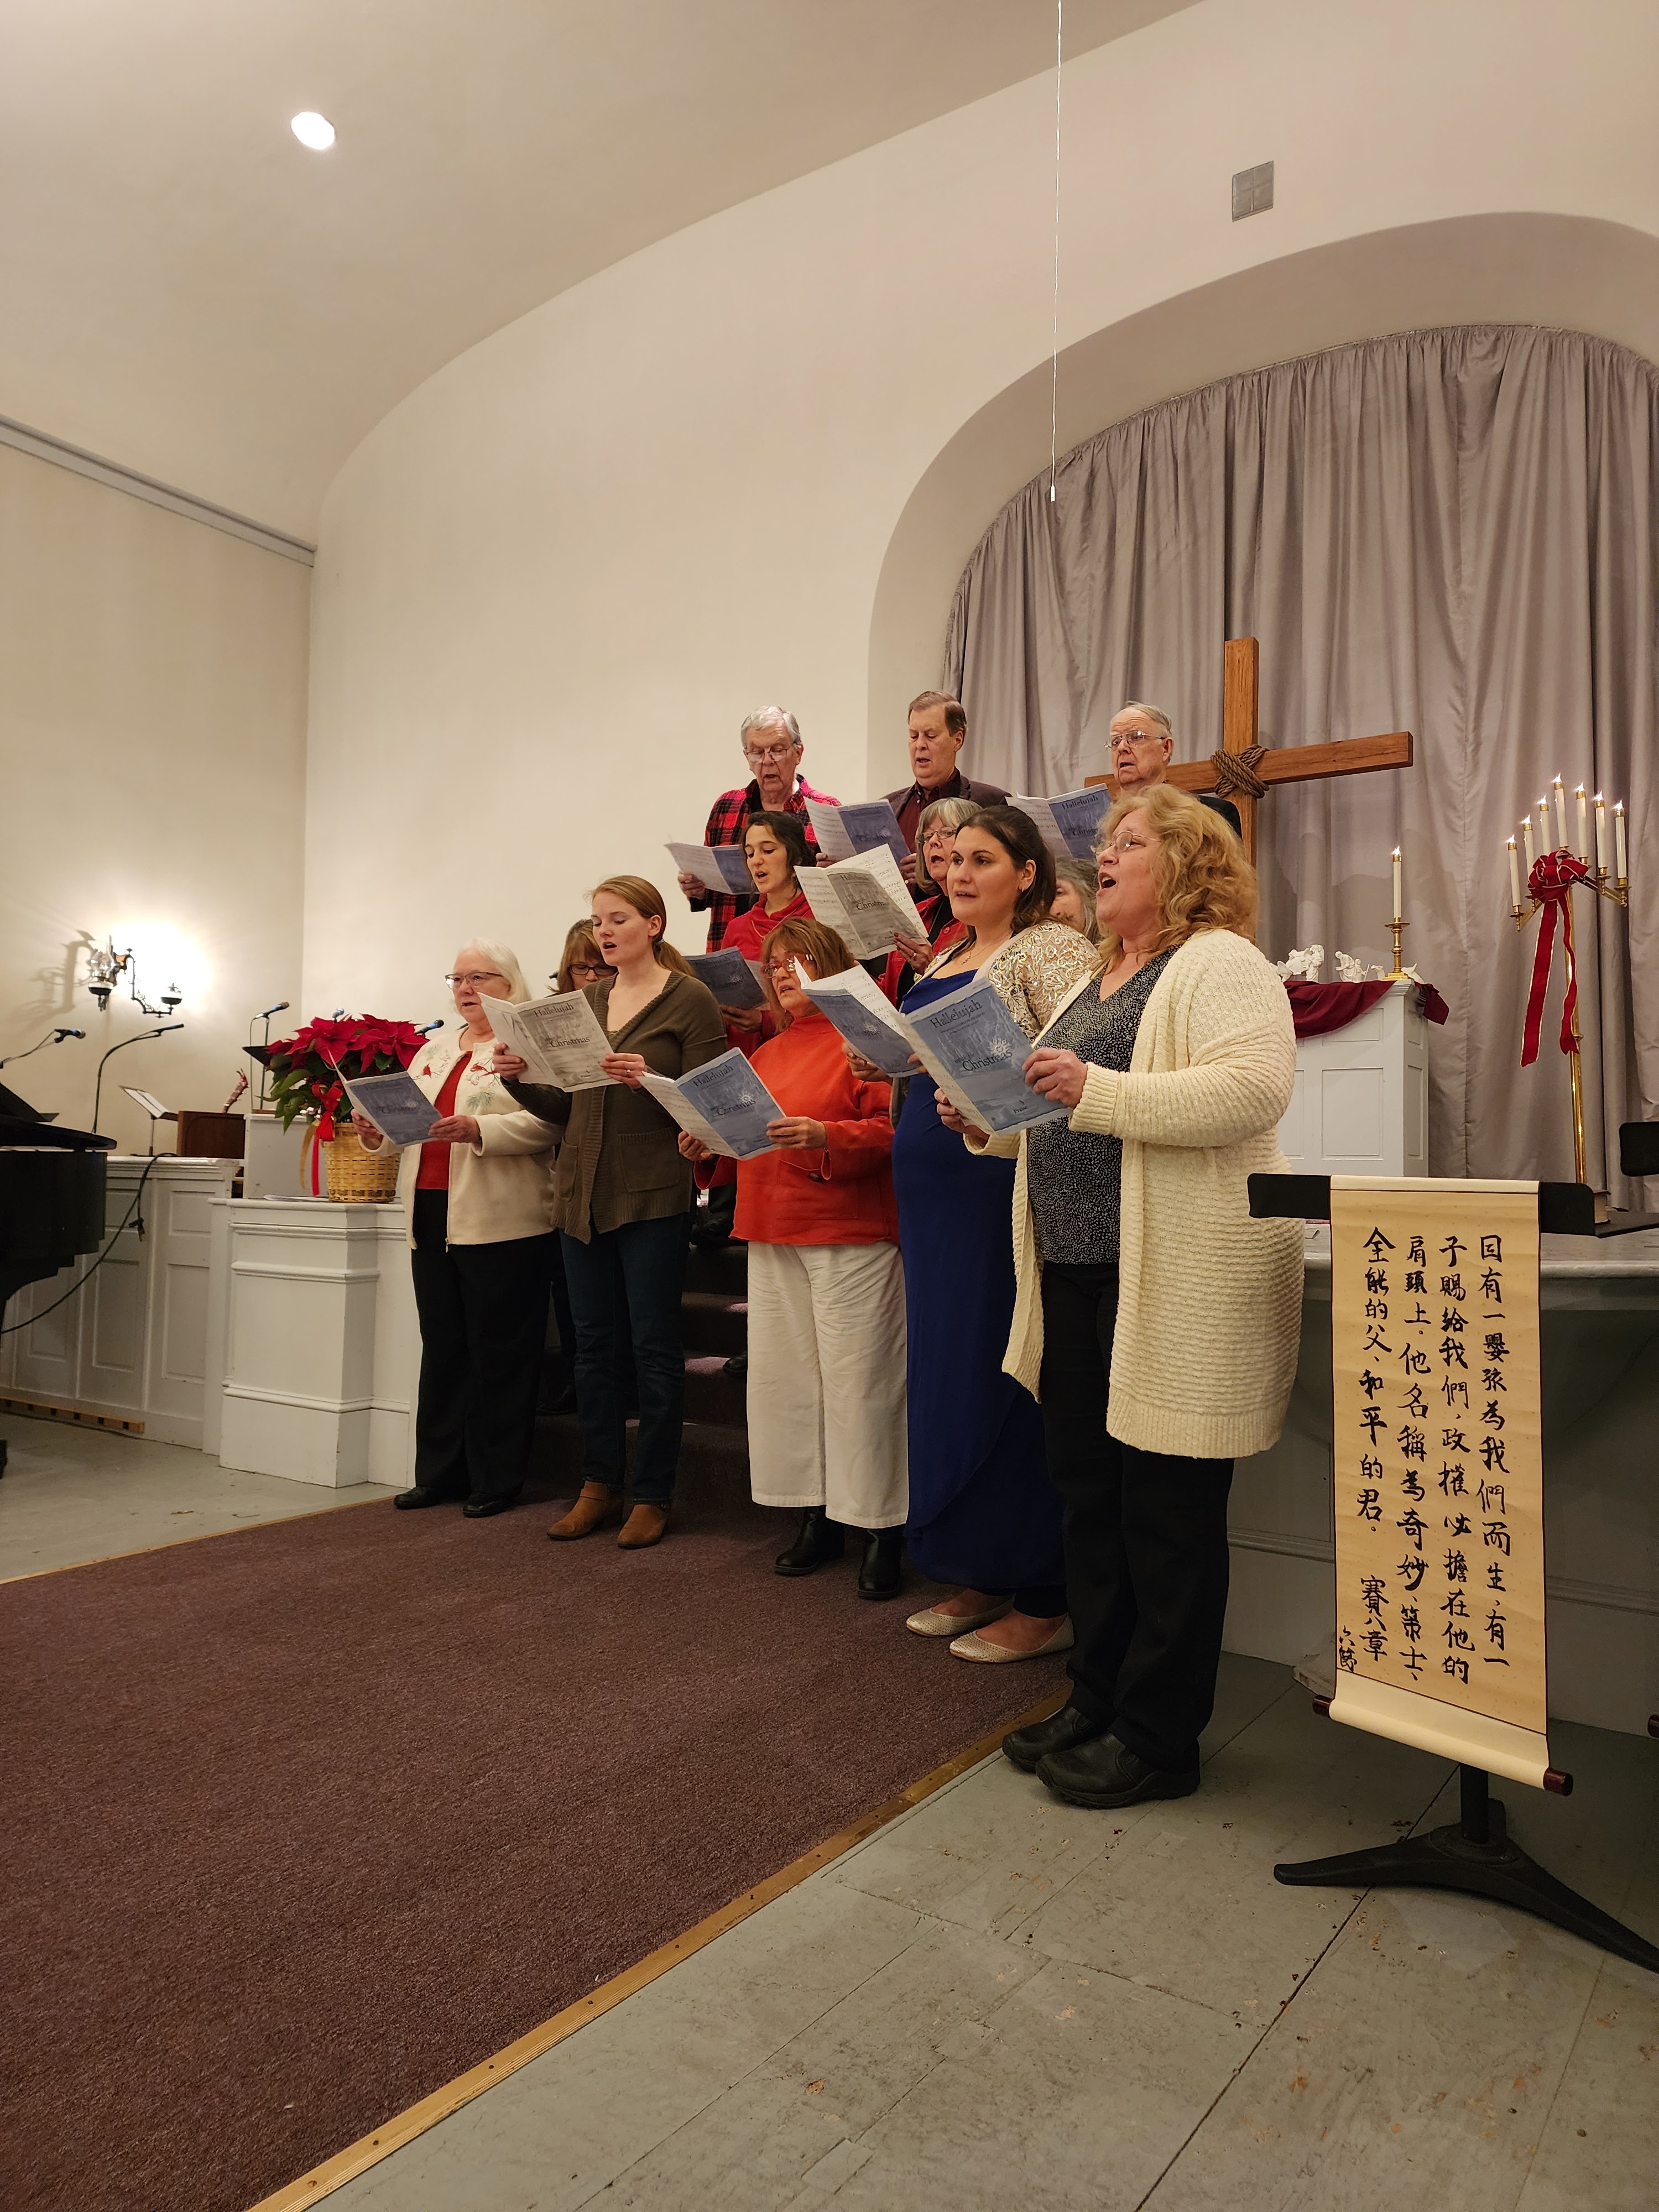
(1554, 875)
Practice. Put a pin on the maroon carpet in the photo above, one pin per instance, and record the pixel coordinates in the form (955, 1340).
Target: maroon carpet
(302, 1821)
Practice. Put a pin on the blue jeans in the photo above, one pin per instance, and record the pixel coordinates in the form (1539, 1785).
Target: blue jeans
(650, 1258)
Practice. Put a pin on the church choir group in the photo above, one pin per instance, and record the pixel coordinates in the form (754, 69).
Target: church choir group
(1027, 1363)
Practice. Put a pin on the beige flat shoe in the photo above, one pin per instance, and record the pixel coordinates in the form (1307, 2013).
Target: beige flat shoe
(998, 1654)
(932, 1622)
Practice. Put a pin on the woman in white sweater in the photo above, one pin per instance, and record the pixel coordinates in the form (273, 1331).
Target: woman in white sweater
(478, 1195)
(1156, 1321)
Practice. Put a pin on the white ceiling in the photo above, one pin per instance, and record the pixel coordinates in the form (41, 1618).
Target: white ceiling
(190, 293)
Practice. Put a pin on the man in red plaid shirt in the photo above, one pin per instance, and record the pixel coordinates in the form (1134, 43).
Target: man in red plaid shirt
(772, 747)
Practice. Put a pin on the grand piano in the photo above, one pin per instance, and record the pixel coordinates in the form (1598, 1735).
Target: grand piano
(51, 1197)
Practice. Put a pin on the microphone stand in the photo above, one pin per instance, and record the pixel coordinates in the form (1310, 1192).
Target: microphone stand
(97, 1087)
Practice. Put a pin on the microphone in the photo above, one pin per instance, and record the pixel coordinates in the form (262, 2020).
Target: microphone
(280, 1007)
(425, 1029)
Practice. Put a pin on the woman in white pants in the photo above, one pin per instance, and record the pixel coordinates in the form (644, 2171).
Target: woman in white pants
(826, 1284)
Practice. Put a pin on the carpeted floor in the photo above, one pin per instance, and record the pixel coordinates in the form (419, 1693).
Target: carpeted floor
(302, 1821)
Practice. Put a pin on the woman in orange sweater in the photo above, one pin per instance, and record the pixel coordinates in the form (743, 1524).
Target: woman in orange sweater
(826, 1284)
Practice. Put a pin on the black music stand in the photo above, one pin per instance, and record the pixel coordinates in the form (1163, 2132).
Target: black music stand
(1474, 1853)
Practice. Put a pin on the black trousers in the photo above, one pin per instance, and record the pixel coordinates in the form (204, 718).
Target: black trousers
(483, 1333)
(1145, 1541)
(648, 1260)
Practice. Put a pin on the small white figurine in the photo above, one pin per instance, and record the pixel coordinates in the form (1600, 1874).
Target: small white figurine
(1306, 963)
(1350, 970)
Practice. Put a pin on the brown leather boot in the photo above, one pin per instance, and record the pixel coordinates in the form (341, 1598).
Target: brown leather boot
(591, 1510)
(646, 1524)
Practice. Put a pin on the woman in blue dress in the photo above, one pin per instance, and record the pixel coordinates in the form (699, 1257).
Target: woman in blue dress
(983, 1513)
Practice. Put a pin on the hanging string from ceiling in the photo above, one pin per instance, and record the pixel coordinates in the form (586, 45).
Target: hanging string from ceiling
(1053, 356)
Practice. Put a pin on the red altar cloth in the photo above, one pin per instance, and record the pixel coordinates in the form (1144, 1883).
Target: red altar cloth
(1319, 1008)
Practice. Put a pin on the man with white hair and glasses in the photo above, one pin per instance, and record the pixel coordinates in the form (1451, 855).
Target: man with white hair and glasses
(1140, 745)
(772, 746)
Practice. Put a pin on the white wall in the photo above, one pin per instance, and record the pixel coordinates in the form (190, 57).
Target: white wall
(152, 715)
(551, 581)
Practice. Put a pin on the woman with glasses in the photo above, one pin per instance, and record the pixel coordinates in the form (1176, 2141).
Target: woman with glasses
(936, 832)
(826, 1284)
(478, 1197)
(581, 962)
(1158, 1321)
(983, 1514)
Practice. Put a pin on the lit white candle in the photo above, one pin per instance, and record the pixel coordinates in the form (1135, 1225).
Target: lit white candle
(1532, 850)
(1584, 823)
(1560, 816)
(1600, 835)
(1543, 825)
(1619, 838)
(1396, 883)
(1515, 877)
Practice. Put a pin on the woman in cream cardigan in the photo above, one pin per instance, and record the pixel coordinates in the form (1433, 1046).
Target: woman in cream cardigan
(1156, 1322)
(478, 1198)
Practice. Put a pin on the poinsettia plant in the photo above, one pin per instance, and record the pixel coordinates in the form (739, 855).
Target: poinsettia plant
(306, 1068)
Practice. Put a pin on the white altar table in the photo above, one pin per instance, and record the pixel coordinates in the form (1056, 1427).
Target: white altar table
(1361, 1101)
(314, 1350)
(1601, 1349)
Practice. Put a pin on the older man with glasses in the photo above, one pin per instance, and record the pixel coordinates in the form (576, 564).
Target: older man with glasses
(772, 746)
(1140, 745)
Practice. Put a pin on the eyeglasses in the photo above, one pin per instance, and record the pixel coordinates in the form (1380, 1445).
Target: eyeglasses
(475, 977)
(1121, 844)
(1135, 738)
(593, 969)
(776, 968)
(759, 753)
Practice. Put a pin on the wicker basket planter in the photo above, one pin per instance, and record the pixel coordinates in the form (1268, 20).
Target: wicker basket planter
(354, 1176)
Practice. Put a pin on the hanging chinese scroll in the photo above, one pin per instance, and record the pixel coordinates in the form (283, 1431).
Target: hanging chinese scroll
(1438, 1468)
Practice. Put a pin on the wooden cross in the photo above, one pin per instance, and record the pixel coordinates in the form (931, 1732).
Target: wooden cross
(1243, 769)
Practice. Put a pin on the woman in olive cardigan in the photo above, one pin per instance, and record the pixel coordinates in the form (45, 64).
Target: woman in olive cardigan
(621, 1194)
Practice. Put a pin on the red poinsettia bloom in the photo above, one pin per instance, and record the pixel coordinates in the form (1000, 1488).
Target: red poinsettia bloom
(307, 1066)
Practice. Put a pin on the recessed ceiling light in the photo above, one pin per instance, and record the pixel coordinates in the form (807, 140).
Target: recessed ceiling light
(313, 131)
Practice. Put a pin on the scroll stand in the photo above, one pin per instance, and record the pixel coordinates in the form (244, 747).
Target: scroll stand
(1473, 1854)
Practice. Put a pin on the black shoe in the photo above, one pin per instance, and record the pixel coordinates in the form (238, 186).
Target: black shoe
(1104, 1774)
(818, 1541)
(737, 1366)
(882, 1574)
(1062, 1731)
(425, 1493)
(710, 1238)
(480, 1508)
(563, 1402)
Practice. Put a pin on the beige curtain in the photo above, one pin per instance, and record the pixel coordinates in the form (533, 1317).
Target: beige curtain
(1454, 533)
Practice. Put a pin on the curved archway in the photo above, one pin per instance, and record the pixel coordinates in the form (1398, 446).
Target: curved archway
(1569, 271)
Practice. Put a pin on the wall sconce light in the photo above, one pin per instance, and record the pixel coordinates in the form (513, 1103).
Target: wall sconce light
(104, 968)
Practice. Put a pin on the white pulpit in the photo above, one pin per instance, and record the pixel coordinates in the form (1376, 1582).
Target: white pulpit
(132, 1344)
(1361, 1101)
(315, 1348)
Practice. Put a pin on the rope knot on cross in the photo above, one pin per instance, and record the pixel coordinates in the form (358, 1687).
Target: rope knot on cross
(1236, 773)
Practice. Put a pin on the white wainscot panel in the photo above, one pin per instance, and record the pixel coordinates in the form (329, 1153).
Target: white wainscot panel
(133, 1340)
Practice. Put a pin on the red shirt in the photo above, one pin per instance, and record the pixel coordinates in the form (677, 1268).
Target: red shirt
(841, 1195)
(435, 1158)
(748, 935)
(729, 817)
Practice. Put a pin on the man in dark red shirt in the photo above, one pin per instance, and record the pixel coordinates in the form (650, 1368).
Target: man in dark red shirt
(772, 747)
(939, 730)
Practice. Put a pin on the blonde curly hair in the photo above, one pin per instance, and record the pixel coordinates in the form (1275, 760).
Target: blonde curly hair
(1201, 876)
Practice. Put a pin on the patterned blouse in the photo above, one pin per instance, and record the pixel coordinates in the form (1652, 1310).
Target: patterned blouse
(1034, 970)
(1073, 1176)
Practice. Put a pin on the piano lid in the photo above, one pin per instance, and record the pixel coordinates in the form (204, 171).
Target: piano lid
(22, 1124)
